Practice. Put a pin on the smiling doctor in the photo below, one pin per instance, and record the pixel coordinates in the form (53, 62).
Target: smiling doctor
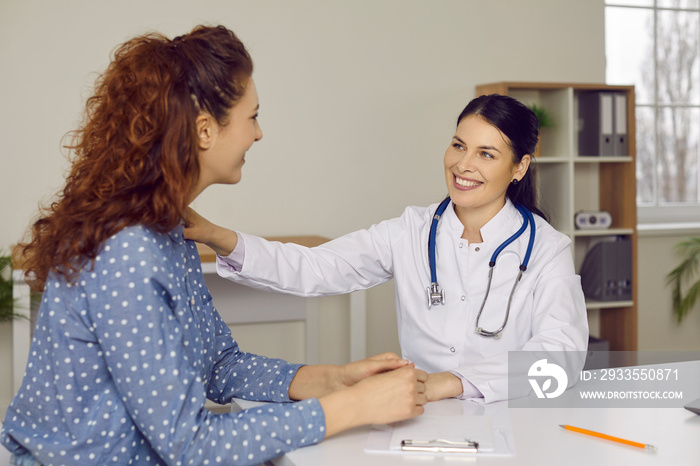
(476, 276)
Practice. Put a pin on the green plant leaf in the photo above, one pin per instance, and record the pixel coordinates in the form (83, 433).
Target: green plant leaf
(8, 303)
(682, 275)
(543, 118)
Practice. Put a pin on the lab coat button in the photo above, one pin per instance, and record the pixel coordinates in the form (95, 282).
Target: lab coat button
(476, 249)
(461, 245)
(452, 349)
(463, 297)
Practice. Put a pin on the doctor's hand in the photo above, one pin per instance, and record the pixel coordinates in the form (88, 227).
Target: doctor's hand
(383, 398)
(442, 385)
(220, 239)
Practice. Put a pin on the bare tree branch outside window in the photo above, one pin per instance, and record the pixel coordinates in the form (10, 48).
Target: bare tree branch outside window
(666, 74)
(676, 84)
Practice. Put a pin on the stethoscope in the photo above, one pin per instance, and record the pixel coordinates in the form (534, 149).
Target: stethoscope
(437, 296)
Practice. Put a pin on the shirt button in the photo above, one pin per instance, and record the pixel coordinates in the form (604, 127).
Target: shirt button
(192, 300)
(463, 297)
(452, 349)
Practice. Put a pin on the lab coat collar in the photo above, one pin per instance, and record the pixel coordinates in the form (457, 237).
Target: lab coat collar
(501, 225)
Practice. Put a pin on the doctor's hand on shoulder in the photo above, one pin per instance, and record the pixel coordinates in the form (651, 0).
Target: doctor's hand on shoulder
(197, 228)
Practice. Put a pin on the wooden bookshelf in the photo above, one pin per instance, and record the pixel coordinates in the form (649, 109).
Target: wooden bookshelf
(569, 183)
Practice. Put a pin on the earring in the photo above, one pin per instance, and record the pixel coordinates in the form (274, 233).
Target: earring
(514, 182)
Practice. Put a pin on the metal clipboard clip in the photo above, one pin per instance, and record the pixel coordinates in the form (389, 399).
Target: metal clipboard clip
(440, 446)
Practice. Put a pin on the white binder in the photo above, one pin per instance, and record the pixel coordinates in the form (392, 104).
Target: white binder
(620, 110)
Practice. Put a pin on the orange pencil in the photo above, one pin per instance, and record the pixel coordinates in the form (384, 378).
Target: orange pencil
(646, 446)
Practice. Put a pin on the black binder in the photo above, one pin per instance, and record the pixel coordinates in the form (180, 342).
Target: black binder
(606, 273)
(602, 124)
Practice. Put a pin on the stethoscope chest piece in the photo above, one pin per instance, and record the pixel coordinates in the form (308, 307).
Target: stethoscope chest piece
(435, 295)
(486, 333)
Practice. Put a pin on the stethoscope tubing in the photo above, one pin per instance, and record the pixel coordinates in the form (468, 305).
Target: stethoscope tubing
(431, 238)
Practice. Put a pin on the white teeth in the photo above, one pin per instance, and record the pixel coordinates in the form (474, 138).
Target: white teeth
(467, 184)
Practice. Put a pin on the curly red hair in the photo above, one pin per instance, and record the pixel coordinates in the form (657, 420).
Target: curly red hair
(136, 153)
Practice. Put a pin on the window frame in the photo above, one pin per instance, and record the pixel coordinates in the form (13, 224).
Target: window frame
(666, 214)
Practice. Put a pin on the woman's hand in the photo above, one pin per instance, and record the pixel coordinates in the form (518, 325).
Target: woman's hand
(383, 398)
(353, 372)
(442, 385)
(197, 228)
(319, 380)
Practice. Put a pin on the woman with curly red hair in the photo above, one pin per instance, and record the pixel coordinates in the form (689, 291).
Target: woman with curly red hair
(127, 345)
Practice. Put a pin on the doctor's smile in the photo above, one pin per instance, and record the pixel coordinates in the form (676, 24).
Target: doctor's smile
(466, 184)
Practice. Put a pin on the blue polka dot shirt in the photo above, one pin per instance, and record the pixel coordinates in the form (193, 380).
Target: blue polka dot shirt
(122, 361)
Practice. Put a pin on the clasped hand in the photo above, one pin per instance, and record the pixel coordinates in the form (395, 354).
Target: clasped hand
(376, 390)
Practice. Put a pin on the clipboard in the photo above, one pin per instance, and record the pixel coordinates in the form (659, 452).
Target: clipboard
(443, 434)
(460, 428)
(440, 446)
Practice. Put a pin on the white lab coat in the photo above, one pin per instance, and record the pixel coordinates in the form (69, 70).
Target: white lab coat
(547, 313)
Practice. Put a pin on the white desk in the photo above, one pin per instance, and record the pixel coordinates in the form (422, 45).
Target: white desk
(540, 441)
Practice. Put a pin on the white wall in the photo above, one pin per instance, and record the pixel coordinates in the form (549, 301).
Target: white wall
(358, 100)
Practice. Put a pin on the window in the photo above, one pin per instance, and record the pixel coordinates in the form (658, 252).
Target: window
(654, 44)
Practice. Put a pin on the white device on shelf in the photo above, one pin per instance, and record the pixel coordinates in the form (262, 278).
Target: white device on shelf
(590, 220)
